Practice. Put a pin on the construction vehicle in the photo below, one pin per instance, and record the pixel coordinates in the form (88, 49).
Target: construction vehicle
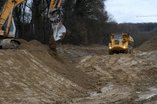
(120, 43)
(8, 28)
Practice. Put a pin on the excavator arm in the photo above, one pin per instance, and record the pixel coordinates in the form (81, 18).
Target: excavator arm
(6, 16)
(7, 25)
(55, 15)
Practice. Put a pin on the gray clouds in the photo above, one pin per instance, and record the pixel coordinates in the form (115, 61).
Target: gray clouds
(132, 10)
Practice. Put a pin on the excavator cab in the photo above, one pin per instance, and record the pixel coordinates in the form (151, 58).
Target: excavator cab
(7, 25)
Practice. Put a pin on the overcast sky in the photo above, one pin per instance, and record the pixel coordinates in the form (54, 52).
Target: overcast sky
(132, 10)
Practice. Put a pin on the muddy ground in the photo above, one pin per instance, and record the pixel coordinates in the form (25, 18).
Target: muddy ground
(32, 74)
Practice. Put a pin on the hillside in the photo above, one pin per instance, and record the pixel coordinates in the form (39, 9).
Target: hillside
(150, 45)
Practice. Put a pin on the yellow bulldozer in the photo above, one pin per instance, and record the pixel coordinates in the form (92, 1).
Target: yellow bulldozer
(120, 43)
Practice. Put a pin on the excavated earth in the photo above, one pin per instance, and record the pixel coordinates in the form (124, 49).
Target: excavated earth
(32, 74)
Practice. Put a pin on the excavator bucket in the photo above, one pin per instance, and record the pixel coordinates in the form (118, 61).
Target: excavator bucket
(9, 44)
(55, 15)
(59, 31)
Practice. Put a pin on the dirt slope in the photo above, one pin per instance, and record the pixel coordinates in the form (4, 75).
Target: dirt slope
(58, 63)
(149, 45)
(30, 75)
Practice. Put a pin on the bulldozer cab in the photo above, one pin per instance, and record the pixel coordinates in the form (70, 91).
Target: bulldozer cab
(117, 36)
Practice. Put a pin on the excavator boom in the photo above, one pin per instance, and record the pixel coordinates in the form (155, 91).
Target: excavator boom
(55, 15)
(6, 16)
(7, 25)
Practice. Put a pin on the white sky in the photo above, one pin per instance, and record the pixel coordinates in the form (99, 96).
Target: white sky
(132, 10)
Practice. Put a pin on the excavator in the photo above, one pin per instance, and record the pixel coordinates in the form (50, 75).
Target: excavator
(8, 28)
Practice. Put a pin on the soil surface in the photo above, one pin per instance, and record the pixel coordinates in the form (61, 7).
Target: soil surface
(121, 78)
(33, 74)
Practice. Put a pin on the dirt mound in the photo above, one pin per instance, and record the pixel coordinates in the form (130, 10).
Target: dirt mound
(149, 45)
(31, 75)
(33, 45)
